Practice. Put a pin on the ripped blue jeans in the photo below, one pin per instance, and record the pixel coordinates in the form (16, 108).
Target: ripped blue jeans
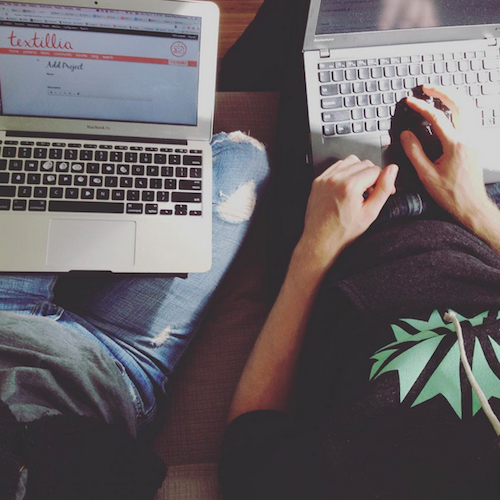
(146, 323)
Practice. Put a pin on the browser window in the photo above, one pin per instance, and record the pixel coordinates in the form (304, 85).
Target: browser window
(81, 63)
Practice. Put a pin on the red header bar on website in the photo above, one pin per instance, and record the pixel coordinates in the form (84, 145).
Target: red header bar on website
(97, 57)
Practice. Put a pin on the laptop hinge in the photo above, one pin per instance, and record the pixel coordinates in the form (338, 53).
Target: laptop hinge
(324, 53)
(492, 42)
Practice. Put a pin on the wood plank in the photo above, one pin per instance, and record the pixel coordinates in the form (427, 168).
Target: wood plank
(235, 16)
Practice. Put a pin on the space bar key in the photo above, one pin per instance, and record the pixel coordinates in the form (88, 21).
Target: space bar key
(87, 207)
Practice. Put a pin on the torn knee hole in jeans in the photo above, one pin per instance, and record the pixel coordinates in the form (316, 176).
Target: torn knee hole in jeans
(162, 337)
(240, 137)
(238, 207)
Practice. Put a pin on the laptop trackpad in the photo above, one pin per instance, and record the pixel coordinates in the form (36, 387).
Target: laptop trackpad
(91, 245)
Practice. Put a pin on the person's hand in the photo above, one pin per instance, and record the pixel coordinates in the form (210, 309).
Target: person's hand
(344, 201)
(454, 181)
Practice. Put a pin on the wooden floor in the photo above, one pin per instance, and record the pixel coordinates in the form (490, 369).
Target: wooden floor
(235, 16)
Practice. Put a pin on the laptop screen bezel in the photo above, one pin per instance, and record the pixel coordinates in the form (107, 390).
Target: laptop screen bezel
(209, 14)
(391, 37)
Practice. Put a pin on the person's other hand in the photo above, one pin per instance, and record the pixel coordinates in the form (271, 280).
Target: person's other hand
(344, 201)
(454, 180)
(401, 14)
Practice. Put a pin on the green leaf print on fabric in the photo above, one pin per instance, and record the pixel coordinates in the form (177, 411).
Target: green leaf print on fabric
(411, 352)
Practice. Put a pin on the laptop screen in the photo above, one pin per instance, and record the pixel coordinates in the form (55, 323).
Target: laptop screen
(83, 63)
(356, 16)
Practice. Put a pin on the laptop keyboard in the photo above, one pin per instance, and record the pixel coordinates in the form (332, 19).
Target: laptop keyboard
(48, 176)
(360, 96)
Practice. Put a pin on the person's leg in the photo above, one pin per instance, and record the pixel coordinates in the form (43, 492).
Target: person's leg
(256, 61)
(27, 293)
(148, 322)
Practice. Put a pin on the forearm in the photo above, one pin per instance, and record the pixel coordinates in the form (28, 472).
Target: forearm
(484, 221)
(268, 378)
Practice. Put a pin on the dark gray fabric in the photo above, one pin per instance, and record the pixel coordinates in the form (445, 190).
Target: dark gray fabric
(47, 369)
(378, 442)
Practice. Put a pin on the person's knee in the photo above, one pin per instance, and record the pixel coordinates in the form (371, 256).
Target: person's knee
(241, 175)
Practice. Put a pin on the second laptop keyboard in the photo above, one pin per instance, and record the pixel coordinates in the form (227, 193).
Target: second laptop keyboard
(359, 96)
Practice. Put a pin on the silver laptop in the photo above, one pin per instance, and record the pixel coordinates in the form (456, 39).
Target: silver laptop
(362, 57)
(106, 117)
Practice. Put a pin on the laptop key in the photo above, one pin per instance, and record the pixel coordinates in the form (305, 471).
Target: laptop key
(92, 168)
(155, 184)
(9, 152)
(151, 209)
(49, 179)
(153, 171)
(72, 193)
(3, 164)
(324, 76)
(62, 166)
(182, 197)
(77, 167)
(116, 156)
(336, 116)
(19, 205)
(148, 196)
(71, 154)
(181, 209)
(18, 178)
(103, 194)
(25, 152)
(384, 124)
(358, 127)
(24, 191)
(56, 192)
(111, 182)
(192, 160)
(181, 172)
(34, 178)
(160, 158)
(55, 154)
(65, 180)
(134, 208)
(325, 90)
(343, 128)
(162, 196)
(146, 158)
(351, 74)
(101, 156)
(133, 195)
(15, 164)
(194, 172)
(190, 185)
(333, 103)
(86, 207)
(37, 205)
(96, 180)
(130, 157)
(126, 182)
(87, 194)
(5, 204)
(7, 191)
(138, 170)
(80, 180)
(41, 192)
(338, 75)
(170, 184)
(328, 130)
